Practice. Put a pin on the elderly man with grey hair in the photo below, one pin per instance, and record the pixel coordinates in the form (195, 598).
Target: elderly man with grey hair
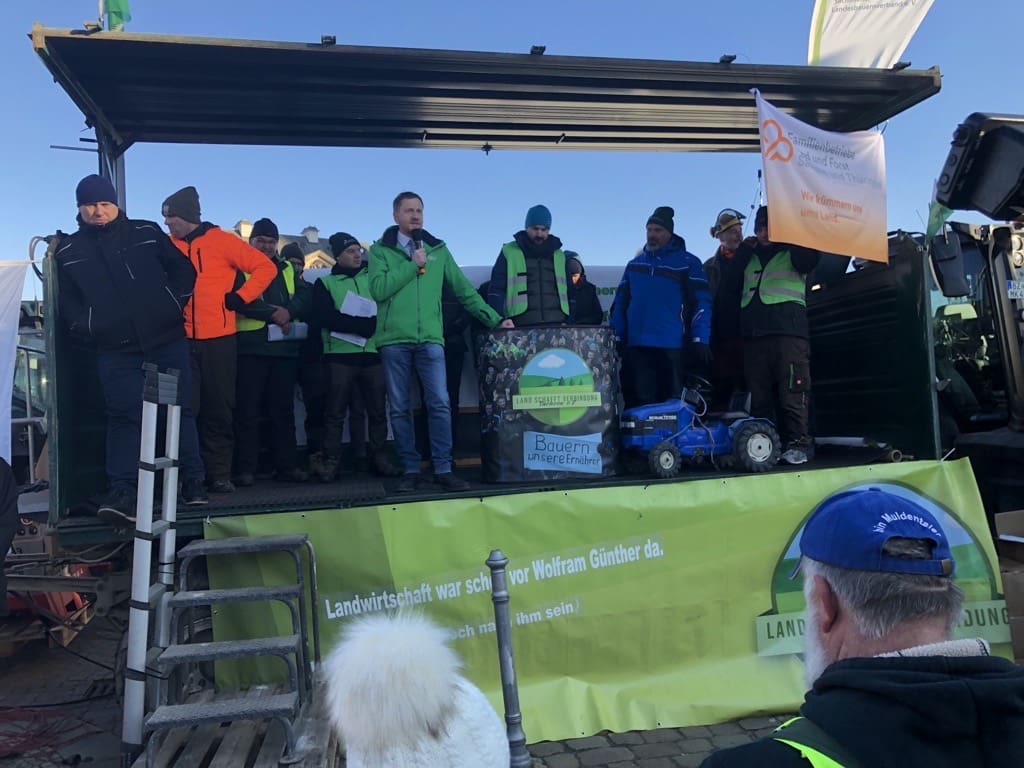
(888, 685)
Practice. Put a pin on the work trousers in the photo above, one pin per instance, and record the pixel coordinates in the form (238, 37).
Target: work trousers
(655, 374)
(778, 372)
(726, 371)
(121, 379)
(266, 384)
(214, 364)
(343, 383)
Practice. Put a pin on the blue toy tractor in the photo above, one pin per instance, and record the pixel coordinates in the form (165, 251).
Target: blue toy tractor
(678, 431)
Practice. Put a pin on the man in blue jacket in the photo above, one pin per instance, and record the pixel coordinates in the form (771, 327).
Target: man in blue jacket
(661, 315)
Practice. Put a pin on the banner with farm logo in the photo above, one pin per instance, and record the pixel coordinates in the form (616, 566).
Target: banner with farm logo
(548, 403)
(656, 604)
(825, 190)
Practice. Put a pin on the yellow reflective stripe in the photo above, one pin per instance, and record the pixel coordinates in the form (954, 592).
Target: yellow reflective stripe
(776, 282)
(251, 324)
(289, 278)
(813, 756)
(515, 288)
(247, 323)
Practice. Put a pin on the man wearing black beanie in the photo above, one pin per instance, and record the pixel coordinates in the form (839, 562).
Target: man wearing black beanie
(268, 365)
(353, 362)
(661, 315)
(122, 288)
(218, 257)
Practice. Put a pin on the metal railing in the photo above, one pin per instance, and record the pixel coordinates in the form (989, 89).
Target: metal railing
(30, 421)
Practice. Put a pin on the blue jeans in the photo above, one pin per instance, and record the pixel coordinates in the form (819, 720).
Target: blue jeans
(121, 380)
(427, 360)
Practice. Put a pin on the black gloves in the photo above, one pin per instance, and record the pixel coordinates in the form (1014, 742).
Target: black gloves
(233, 301)
(362, 326)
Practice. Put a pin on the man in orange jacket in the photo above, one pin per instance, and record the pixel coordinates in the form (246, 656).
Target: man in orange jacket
(218, 258)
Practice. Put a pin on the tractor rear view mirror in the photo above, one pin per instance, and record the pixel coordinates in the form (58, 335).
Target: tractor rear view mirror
(948, 264)
(984, 170)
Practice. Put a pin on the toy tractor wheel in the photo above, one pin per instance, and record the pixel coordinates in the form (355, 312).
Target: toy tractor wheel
(664, 460)
(755, 446)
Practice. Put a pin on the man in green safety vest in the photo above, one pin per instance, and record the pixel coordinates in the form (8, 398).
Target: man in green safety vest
(528, 282)
(888, 685)
(343, 309)
(776, 349)
(268, 357)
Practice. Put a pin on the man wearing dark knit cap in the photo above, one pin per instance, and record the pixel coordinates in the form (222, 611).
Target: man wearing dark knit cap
(218, 257)
(122, 288)
(268, 365)
(528, 282)
(353, 362)
(661, 315)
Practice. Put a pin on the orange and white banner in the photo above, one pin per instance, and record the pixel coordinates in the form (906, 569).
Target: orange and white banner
(863, 33)
(825, 190)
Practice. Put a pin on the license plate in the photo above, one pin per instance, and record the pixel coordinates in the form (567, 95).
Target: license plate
(1015, 289)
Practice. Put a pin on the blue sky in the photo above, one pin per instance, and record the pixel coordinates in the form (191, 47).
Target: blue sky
(600, 201)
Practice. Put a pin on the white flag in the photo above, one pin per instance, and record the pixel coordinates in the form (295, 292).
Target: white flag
(825, 190)
(12, 281)
(863, 33)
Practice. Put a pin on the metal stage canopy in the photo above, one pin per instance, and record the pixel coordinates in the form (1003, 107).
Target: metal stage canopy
(159, 88)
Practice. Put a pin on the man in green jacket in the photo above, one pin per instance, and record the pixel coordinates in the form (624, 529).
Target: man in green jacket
(408, 269)
(268, 364)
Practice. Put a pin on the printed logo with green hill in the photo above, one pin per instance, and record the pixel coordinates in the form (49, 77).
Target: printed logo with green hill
(781, 630)
(556, 387)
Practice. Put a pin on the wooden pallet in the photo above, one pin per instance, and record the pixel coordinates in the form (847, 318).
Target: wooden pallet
(246, 743)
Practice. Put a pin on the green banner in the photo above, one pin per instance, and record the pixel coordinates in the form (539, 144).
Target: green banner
(633, 607)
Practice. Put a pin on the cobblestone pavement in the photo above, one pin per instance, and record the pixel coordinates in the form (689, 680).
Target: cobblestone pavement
(84, 728)
(661, 748)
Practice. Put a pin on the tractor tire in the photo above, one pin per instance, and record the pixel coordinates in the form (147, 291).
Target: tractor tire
(664, 460)
(756, 446)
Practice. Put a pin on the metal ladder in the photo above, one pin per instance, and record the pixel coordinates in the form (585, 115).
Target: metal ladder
(155, 662)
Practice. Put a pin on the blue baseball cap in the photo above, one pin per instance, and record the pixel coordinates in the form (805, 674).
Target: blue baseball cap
(849, 529)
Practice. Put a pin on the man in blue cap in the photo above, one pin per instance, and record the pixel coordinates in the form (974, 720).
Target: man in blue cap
(528, 281)
(888, 685)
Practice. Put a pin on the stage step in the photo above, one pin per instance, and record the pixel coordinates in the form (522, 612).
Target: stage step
(230, 649)
(194, 598)
(243, 544)
(282, 705)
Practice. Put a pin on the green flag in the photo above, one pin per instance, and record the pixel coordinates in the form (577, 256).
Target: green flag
(937, 214)
(117, 14)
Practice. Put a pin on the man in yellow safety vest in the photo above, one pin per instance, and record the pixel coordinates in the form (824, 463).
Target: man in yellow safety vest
(528, 282)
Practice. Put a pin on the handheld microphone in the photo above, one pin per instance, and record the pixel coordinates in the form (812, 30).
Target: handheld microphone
(417, 243)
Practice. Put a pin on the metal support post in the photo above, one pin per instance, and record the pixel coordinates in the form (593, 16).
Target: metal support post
(138, 617)
(29, 413)
(158, 389)
(520, 756)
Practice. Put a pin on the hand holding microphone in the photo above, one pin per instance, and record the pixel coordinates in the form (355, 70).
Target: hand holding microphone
(419, 256)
